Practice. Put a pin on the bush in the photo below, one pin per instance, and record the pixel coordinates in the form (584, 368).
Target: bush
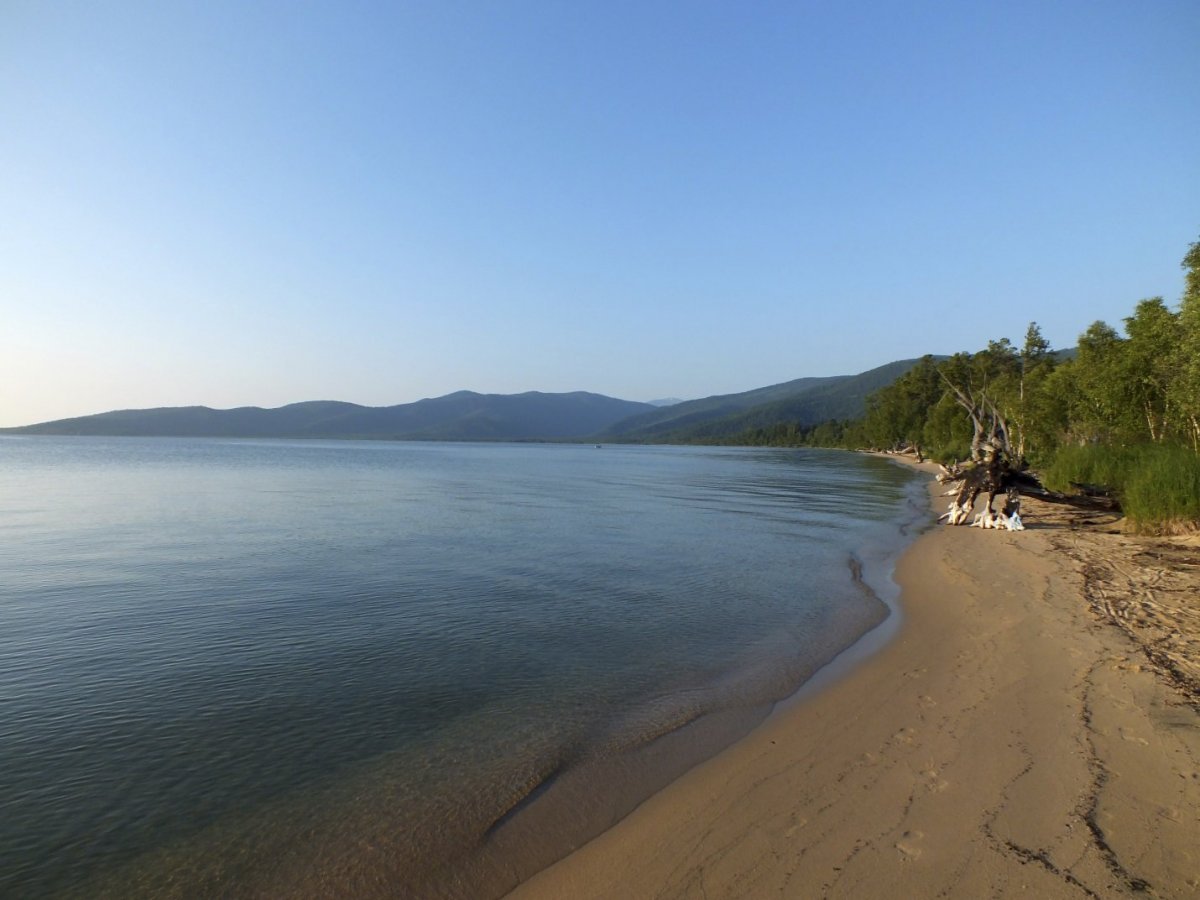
(1157, 485)
(1098, 464)
(1164, 489)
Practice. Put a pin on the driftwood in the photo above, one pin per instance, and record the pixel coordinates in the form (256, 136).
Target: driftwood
(1093, 490)
(995, 475)
(913, 450)
(996, 468)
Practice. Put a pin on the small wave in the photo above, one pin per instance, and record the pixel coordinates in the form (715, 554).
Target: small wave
(537, 783)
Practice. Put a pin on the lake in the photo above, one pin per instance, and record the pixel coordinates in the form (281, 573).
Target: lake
(312, 668)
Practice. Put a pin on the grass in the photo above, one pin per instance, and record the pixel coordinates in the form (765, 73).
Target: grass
(1157, 485)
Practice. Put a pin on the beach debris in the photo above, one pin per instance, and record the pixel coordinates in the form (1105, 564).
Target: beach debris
(989, 518)
(997, 467)
(994, 474)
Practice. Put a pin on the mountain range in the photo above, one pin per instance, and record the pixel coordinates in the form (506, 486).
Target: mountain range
(468, 416)
(805, 401)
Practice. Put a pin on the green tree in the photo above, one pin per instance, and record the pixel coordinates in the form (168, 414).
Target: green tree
(1150, 364)
(1036, 349)
(986, 387)
(1049, 398)
(1187, 386)
(947, 430)
(896, 414)
(1100, 410)
(1033, 433)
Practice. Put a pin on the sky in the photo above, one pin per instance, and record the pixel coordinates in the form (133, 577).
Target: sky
(229, 203)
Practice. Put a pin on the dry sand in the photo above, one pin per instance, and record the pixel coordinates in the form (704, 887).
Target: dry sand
(1033, 730)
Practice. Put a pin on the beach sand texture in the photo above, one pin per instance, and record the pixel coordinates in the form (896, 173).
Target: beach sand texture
(1033, 730)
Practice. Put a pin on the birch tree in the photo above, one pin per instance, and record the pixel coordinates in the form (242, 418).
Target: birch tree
(1187, 390)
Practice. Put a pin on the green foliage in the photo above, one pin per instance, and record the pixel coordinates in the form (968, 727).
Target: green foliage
(1164, 488)
(1124, 411)
(1095, 464)
(1046, 414)
(1036, 416)
(1191, 268)
(1037, 348)
(1186, 390)
(1101, 407)
(1156, 484)
(729, 418)
(947, 431)
(896, 414)
(1151, 363)
(830, 433)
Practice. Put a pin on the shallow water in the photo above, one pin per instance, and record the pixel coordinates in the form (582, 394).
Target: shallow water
(258, 668)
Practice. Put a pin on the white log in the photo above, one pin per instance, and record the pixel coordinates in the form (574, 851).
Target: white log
(956, 515)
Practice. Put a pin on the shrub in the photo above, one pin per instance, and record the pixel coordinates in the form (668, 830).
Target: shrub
(1157, 485)
(1163, 489)
(1099, 464)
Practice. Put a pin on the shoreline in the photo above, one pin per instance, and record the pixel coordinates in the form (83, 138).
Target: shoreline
(1007, 739)
(578, 802)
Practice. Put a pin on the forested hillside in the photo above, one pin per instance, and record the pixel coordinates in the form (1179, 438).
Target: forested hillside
(726, 417)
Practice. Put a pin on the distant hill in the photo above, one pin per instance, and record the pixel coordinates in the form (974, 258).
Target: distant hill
(664, 401)
(805, 400)
(468, 416)
(462, 416)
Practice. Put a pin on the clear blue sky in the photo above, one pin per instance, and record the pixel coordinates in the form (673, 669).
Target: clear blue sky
(254, 203)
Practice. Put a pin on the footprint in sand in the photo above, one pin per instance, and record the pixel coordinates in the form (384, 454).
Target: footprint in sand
(791, 832)
(926, 701)
(1132, 738)
(909, 845)
(933, 782)
(905, 735)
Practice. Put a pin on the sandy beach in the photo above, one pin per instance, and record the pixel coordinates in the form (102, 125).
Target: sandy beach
(1032, 730)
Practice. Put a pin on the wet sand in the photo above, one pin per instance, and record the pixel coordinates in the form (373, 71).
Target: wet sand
(1033, 729)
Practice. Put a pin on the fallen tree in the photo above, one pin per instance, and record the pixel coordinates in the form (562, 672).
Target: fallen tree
(993, 466)
(996, 468)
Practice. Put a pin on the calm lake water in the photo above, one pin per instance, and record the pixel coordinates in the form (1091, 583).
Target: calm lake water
(271, 668)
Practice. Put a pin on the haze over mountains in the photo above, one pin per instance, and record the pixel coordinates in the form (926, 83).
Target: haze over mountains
(468, 416)
(461, 416)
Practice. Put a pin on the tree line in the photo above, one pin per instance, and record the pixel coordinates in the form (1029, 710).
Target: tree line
(1120, 404)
